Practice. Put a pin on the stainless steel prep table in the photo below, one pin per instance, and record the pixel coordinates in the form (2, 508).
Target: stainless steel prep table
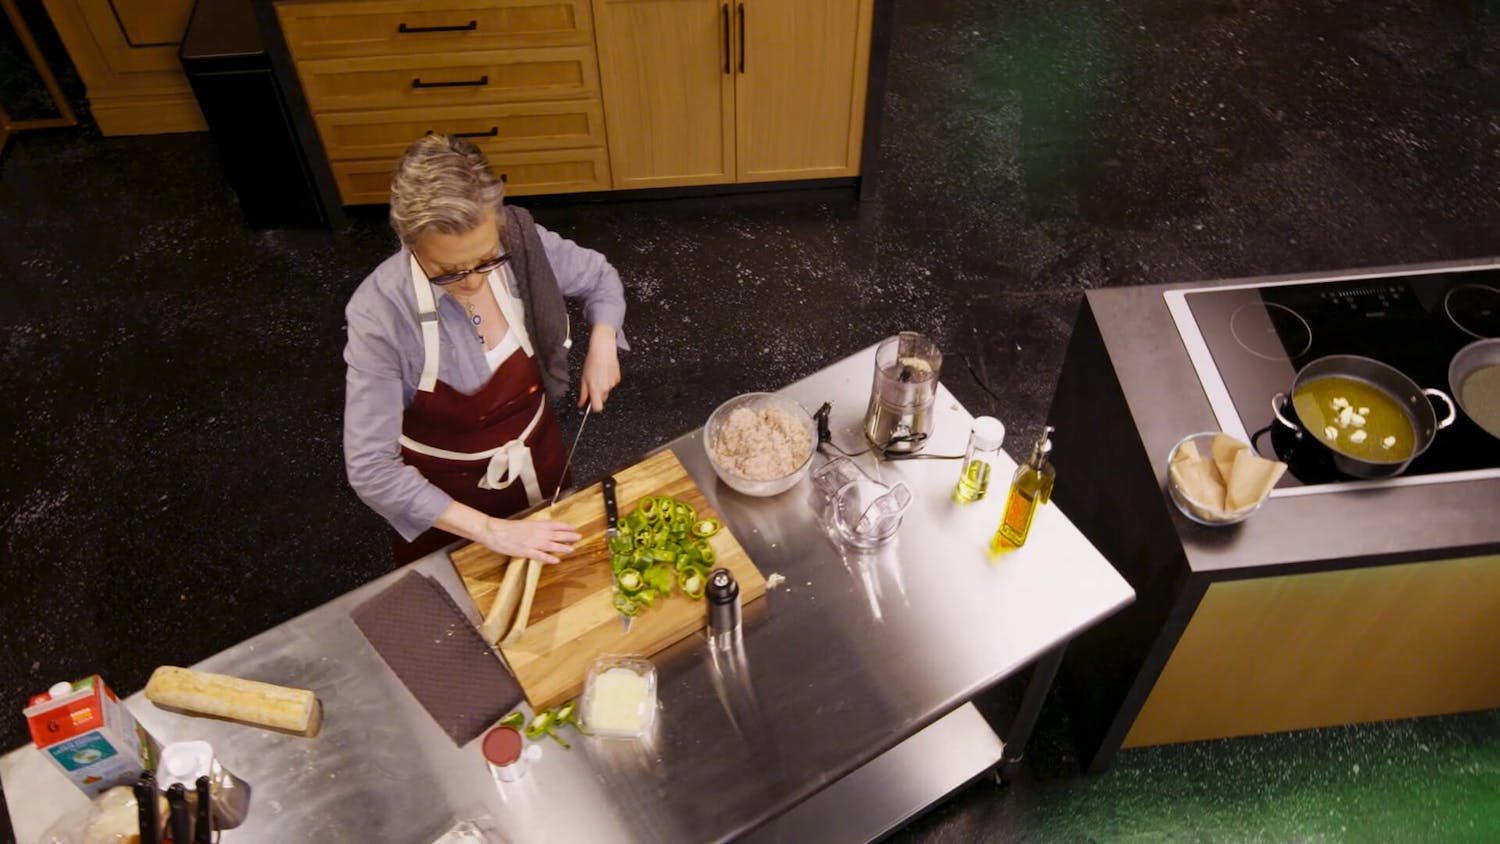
(848, 658)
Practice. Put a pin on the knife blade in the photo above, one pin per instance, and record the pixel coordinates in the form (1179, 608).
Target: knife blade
(569, 461)
(612, 530)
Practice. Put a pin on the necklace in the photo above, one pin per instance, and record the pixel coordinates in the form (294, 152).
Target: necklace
(474, 318)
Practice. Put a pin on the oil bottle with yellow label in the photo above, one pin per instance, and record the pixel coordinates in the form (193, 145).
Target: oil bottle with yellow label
(1029, 489)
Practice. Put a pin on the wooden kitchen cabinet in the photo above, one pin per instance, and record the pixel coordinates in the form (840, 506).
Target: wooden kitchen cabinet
(669, 91)
(368, 181)
(519, 78)
(126, 53)
(508, 127)
(588, 95)
(421, 80)
(800, 88)
(709, 92)
(320, 30)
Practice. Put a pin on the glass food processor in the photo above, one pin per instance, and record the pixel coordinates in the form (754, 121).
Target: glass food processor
(899, 418)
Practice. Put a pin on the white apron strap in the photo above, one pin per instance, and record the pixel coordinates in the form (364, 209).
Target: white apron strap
(501, 283)
(508, 462)
(427, 314)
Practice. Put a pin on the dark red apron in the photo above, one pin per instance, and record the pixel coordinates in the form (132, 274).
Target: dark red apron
(497, 413)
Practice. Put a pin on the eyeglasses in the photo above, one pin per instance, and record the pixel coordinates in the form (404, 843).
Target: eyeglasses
(486, 267)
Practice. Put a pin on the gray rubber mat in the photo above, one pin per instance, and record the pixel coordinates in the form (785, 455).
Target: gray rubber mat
(425, 638)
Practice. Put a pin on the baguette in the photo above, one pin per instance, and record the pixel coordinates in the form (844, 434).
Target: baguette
(507, 599)
(523, 613)
(249, 701)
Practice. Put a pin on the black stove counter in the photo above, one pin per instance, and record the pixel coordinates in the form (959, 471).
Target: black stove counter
(1360, 605)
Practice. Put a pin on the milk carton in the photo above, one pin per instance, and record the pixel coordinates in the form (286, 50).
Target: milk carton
(89, 735)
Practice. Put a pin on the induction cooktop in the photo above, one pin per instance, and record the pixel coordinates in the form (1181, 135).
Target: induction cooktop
(1248, 341)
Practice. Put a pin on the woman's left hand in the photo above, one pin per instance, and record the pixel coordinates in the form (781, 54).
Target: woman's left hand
(601, 368)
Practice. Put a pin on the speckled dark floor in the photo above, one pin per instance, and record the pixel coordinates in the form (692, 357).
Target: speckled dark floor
(171, 481)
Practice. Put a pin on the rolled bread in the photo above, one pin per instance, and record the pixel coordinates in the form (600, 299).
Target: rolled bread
(248, 701)
(502, 613)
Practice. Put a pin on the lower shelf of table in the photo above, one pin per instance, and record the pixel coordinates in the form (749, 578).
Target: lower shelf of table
(896, 787)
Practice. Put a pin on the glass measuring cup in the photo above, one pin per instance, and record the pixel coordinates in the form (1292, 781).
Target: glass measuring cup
(862, 511)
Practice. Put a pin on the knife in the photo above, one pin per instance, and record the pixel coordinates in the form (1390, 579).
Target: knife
(181, 819)
(569, 462)
(145, 799)
(203, 826)
(612, 530)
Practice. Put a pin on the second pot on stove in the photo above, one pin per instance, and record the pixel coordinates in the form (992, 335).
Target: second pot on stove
(1413, 400)
(1479, 397)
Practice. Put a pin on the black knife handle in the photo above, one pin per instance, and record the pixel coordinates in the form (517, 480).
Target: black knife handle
(180, 819)
(145, 804)
(203, 828)
(611, 510)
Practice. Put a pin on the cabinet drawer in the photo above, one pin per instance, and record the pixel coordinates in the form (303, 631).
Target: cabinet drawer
(503, 127)
(553, 171)
(432, 79)
(390, 27)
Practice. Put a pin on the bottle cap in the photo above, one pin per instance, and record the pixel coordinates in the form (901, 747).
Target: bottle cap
(988, 433)
(62, 689)
(502, 746)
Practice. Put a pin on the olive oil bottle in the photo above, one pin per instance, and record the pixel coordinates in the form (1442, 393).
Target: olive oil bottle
(1029, 489)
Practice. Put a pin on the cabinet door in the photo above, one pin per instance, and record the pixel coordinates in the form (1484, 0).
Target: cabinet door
(668, 92)
(800, 98)
(126, 53)
(138, 36)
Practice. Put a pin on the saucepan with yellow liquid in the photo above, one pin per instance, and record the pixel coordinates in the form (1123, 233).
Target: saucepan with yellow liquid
(1372, 418)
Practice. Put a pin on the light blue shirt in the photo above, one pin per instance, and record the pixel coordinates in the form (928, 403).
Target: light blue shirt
(384, 354)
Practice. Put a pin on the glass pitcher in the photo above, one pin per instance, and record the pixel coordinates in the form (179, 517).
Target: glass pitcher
(857, 508)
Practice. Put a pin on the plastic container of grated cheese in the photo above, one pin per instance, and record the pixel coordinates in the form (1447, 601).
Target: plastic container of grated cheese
(619, 697)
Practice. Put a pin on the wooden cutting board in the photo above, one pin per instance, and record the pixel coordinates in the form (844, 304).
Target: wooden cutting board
(572, 619)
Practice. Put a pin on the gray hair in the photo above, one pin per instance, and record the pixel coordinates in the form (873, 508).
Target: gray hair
(442, 185)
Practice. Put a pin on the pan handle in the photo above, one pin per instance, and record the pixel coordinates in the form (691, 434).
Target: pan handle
(1452, 411)
(1278, 404)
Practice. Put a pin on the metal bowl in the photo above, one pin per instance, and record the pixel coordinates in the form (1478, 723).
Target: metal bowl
(1192, 508)
(756, 402)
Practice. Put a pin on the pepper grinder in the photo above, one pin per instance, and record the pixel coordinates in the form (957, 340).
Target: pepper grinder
(723, 604)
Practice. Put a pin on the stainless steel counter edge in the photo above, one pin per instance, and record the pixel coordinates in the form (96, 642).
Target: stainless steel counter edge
(1377, 526)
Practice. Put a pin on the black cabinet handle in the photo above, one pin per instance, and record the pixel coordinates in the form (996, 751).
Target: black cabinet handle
(492, 133)
(504, 177)
(462, 83)
(742, 38)
(468, 27)
(728, 50)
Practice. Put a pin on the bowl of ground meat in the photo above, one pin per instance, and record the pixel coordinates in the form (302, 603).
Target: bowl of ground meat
(760, 443)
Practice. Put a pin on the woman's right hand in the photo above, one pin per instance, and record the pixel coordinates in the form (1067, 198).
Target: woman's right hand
(530, 540)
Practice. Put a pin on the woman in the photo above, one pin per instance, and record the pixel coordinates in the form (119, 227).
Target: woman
(456, 344)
